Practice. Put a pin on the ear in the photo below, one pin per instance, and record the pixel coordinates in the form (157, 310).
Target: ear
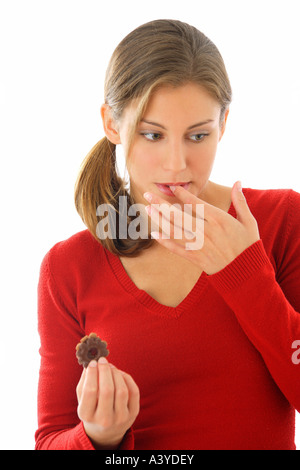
(223, 125)
(109, 125)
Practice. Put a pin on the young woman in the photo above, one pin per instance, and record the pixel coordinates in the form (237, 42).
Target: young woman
(203, 327)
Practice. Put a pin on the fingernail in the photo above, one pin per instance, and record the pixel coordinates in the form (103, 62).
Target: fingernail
(239, 186)
(155, 235)
(148, 210)
(103, 360)
(172, 188)
(148, 196)
(93, 364)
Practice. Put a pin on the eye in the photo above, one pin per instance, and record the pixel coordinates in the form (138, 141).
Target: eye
(198, 137)
(151, 136)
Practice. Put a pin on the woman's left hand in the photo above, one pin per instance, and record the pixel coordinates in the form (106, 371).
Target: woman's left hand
(218, 237)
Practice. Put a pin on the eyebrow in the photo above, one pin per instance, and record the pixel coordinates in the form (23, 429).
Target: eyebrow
(198, 124)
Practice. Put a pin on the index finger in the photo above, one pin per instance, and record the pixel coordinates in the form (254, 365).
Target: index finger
(80, 385)
(134, 394)
(106, 388)
(89, 392)
(184, 196)
(188, 198)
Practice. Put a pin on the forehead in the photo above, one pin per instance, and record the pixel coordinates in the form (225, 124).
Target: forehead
(188, 102)
(178, 107)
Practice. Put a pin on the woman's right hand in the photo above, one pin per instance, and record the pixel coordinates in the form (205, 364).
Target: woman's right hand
(108, 403)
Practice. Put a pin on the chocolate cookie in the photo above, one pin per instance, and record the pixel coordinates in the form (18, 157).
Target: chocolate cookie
(90, 347)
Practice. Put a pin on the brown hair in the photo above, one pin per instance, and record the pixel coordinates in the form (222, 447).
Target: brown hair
(158, 53)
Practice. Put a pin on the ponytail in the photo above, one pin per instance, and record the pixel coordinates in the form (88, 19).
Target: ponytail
(98, 183)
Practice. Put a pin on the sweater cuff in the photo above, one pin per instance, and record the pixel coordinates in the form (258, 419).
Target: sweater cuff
(85, 443)
(83, 439)
(241, 268)
(128, 441)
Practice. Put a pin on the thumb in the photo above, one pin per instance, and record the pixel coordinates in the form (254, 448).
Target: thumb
(240, 203)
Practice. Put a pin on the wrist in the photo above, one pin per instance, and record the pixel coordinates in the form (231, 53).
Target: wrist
(106, 446)
(100, 441)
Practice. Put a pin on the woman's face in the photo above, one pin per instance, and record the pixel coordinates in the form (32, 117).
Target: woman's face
(175, 142)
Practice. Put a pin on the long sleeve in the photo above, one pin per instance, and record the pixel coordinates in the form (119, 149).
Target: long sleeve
(59, 427)
(267, 303)
(215, 372)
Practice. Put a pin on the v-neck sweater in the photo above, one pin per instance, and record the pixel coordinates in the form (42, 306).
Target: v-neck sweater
(219, 371)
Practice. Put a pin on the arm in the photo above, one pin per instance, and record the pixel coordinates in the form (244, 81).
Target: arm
(266, 305)
(58, 424)
(272, 324)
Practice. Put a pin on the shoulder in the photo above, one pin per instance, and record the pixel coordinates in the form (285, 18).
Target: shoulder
(269, 196)
(76, 254)
(270, 203)
(277, 214)
(80, 242)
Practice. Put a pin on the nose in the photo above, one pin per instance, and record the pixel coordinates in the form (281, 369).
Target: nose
(174, 158)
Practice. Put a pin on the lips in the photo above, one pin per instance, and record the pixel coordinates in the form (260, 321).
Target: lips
(165, 187)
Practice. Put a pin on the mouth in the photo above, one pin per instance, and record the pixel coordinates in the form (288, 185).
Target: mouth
(165, 187)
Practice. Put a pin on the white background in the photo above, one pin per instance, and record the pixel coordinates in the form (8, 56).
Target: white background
(53, 59)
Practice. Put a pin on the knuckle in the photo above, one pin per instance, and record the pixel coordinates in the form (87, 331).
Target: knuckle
(137, 407)
(252, 223)
(216, 223)
(90, 390)
(135, 412)
(106, 391)
(82, 415)
(122, 418)
(135, 388)
(122, 392)
(136, 392)
(78, 390)
(79, 412)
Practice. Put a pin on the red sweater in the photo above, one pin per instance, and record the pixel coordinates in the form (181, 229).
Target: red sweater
(216, 372)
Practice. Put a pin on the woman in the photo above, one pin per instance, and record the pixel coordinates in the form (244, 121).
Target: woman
(202, 327)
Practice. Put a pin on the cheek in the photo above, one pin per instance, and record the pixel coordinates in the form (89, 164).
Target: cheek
(144, 159)
(203, 156)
